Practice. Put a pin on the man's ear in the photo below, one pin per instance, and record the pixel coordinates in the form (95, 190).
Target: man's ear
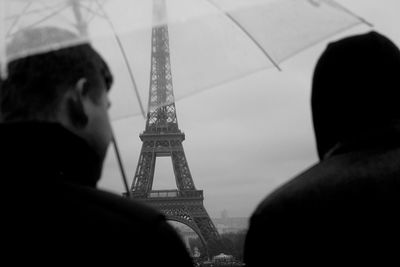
(75, 104)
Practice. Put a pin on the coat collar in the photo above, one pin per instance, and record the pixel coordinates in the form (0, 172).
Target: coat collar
(47, 152)
(386, 138)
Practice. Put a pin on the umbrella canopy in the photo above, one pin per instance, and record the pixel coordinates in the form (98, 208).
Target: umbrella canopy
(211, 41)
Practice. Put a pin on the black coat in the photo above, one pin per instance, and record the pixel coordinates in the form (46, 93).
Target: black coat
(52, 213)
(345, 210)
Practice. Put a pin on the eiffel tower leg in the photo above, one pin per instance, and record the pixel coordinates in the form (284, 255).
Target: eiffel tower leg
(184, 179)
(207, 229)
(144, 175)
(181, 213)
(191, 212)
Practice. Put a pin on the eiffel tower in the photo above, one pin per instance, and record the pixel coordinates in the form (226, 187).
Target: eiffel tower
(163, 138)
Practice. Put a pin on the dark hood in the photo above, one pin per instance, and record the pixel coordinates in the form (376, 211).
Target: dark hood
(356, 91)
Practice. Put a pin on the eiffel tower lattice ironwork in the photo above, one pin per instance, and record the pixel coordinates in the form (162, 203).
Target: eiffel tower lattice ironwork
(163, 138)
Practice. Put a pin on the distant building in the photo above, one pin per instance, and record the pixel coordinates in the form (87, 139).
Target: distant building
(226, 224)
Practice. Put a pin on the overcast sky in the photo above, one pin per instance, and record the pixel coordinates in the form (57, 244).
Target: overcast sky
(246, 137)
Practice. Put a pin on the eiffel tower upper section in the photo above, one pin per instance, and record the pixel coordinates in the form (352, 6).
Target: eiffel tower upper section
(161, 116)
(161, 137)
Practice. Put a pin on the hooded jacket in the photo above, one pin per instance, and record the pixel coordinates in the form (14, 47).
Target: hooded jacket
(53, 215)
(356, 92)
(343, 210)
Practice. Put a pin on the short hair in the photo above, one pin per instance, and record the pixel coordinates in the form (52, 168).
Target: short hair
(36, 84)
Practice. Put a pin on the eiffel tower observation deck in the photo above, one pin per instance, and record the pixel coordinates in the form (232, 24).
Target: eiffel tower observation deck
(163, 138)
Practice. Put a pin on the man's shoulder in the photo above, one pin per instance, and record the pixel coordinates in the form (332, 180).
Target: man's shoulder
(120, 208)
(345, 205)
(92, 223)
(148, 227)
(341, 179)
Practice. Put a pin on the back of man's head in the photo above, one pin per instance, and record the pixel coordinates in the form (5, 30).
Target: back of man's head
(36, 83)
(356, 90)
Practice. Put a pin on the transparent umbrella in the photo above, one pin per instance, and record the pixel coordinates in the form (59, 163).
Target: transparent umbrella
(211, 41)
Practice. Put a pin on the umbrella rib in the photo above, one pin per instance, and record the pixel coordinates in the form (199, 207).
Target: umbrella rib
(37, 10)
(94, 12)
(124, 55)
(130, 74)
(44, 19)
(18, 17)
(63, 6)
(118, 154)
(121, 166)
(247, 33)
(319, 40)
(335, 4)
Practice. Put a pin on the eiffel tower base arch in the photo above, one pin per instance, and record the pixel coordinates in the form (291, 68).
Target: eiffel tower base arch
(185, 207)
